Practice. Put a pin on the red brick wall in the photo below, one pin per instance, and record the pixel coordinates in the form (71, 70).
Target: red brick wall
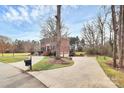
(64, 48)
(64, 45)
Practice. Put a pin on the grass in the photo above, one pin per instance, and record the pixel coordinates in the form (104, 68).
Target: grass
(9, 58)
(79, 53)
(45, 65)
(116, 76)
(16, 54)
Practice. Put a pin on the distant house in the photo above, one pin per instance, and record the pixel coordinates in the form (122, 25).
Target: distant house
(49, 45)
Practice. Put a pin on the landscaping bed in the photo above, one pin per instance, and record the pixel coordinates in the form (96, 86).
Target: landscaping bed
(114, 74)
(48, 63)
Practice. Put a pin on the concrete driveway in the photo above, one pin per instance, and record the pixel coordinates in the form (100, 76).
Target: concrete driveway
(11, 77)
(85, 73)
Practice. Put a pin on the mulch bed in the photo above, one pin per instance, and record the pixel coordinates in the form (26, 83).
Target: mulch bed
(57, 61)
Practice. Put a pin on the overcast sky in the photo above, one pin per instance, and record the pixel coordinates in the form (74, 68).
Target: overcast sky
(23, 22)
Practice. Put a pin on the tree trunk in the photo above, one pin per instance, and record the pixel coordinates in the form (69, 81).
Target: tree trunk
(58, 27)
(63, 53)
(110, 37)
(2, 50)
(13, 49)
(121, 35)
(13, 53)
(115, 35)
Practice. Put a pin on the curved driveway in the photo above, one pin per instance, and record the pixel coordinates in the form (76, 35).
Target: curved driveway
(11, 77)
(86, 72)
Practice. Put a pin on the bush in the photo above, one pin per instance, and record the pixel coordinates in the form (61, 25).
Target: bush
(81, 54)
(92, 51)
(46, 53)
(49, 53)
(107, 50)
(32, 53)
(104, 50)
(52, 53)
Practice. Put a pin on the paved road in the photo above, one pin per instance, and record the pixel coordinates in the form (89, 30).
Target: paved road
(11, 77)
(86, 72)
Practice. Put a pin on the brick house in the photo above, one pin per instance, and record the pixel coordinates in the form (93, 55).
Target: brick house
(49, 45)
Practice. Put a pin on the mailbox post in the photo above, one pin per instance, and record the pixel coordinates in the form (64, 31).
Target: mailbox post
(31, 62)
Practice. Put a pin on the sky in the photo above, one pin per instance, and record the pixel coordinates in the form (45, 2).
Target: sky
(24, 22)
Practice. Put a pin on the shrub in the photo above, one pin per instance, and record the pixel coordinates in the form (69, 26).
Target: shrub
(97, 50)
(45, 53)
(92, 51)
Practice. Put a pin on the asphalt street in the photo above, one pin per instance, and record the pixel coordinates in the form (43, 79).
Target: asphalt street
(11, 77)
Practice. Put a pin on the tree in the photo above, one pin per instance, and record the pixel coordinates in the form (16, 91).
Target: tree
(82, 43)
(100, 23)
(3, 43)
(58, 30)
(121, 35)
(114, 22)
(25, 46)
(110, 34)
(49, 28)
(74, 42)
(91, 35)
(77, 42)
(13, 47)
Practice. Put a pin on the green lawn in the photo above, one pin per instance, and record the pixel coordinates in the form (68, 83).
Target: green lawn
(16, 54)
(116, 76)
(9, 58)
(79, 53)
(45, 65)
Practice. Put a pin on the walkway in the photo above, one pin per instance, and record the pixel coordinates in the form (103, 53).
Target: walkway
(11, 77)
(86, 72)
(21, 64)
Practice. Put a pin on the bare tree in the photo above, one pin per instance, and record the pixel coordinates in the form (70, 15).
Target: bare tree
(114, 22)
(3, 43)
(13, 47)
(58, 30)
(110, 34)
(101, 22)
(49, 28)
(121, 35)
(90, 34)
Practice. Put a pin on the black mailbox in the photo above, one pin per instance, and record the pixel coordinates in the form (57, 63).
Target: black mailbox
(27, 62)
